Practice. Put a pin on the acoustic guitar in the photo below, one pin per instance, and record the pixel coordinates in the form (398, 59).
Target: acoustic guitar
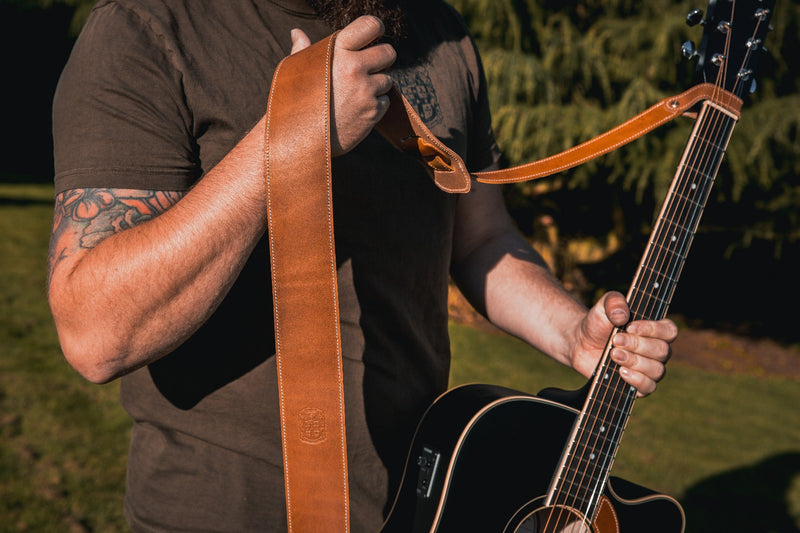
(488, 459)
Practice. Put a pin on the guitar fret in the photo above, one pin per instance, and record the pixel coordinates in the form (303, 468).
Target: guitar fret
(689, 200)
(657, 291)
(708, 143)
(576, 494)
(671, 235)
(665, 271)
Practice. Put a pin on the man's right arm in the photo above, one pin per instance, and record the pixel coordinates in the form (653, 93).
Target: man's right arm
(134, 273)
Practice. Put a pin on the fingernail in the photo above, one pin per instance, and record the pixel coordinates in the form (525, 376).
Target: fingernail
(620, 356)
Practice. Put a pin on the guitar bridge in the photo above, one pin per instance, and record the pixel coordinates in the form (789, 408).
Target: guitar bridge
(428, 463)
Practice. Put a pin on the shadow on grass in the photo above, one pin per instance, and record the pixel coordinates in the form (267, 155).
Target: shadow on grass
(752, 498)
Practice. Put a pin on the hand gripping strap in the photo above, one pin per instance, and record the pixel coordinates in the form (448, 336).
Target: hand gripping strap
(303, 261)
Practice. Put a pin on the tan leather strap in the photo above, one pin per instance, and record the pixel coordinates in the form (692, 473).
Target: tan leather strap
(303, 260)
(403, 128)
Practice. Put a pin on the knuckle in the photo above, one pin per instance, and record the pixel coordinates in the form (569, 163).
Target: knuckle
(371, 24)
(387, 51)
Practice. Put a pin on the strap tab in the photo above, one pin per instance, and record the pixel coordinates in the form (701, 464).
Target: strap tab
(406, 131)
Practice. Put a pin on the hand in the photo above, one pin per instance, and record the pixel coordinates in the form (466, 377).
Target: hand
(641, 349)
(359, 81)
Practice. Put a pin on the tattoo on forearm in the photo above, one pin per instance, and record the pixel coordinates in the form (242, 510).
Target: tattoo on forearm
(85, 217)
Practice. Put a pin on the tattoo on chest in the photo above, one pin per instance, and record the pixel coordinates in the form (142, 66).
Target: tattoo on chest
(416, 85)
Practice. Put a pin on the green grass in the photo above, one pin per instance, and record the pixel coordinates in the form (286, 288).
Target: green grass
(727, 446)
(63, 441)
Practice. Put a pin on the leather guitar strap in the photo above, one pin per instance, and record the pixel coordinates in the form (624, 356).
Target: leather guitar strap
(305, 299)
(303, 258)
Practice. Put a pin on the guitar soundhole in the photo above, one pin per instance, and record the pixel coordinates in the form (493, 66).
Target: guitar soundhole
(553, 520)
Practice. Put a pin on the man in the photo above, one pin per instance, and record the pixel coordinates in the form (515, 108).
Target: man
(158, 263)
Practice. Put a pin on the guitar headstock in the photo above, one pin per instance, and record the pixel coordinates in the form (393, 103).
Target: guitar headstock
(733, 39)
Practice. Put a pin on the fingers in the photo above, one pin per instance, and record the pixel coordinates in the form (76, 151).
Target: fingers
(643, 373)
(359, 82)
(299, 40)
(359, 33)
(642, 350)
(356, 37)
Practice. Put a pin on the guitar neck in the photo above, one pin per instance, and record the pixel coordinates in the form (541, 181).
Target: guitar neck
(586, 463)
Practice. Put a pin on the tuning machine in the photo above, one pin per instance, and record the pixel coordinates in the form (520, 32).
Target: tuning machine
(689, 50)
(695, 17)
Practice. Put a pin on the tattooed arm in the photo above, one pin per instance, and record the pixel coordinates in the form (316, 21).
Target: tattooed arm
(134, 273)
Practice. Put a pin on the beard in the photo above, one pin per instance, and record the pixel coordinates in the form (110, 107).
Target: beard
(339, 13)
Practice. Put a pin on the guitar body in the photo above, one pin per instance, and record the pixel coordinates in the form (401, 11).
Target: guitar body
(483, 458)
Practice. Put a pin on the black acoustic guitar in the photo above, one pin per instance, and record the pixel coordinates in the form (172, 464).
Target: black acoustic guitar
(487, 459)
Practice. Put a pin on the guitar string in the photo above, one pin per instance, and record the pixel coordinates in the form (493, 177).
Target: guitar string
(610, 369)
(712, 157)
(708, 156)
(598, 425)
(664, 260)
(703, 193)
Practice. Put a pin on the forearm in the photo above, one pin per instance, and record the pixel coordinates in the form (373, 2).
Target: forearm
(505, 279)
(142, 291)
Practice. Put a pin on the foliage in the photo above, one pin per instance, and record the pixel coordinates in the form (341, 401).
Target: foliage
(560, 73)
(80, 9)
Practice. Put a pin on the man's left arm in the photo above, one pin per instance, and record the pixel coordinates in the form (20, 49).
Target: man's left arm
(508, 281)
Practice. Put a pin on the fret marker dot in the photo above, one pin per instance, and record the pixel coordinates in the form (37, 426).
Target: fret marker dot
(694, 185)
(605, 376)
(674, 238)
(603, 429)
(656, 285)
(592, 457)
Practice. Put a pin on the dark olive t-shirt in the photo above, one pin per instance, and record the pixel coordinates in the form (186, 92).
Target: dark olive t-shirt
(156, 92)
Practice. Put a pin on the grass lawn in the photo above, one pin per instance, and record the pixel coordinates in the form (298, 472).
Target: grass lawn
(727, 446)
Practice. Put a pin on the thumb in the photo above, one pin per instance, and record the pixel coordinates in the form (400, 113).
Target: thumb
(299, 40)
(610, 311)
(616, 308)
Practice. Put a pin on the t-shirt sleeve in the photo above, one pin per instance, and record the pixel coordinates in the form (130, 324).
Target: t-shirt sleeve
(483, 153)
(119, 116)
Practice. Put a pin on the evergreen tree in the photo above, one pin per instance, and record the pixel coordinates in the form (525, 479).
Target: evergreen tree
(561, 72)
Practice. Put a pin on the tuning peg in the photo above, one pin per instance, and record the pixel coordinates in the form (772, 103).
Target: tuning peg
(695, 17)
(689, 51)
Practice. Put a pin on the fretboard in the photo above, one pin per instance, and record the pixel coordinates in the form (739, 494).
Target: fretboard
(586, 463)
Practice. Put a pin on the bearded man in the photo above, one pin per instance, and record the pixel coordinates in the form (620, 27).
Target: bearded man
(158, 260)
